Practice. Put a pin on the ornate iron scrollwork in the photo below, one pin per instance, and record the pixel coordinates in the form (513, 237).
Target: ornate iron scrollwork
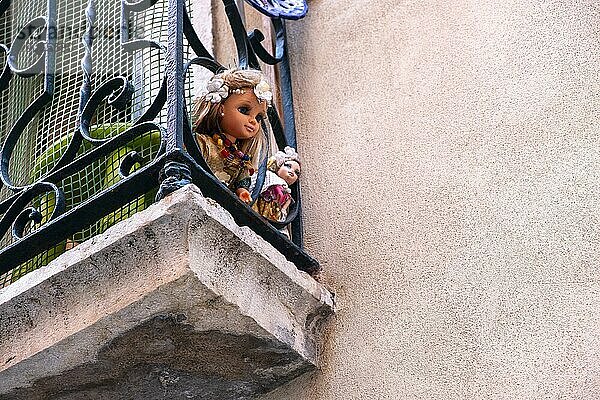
(116, 92)
(177, 161)
(21, 218)
(16, 47)
(44, 64)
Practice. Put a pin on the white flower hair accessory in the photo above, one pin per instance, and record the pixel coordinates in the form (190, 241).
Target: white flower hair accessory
(288, 154)
(262, 91)
(217, 90)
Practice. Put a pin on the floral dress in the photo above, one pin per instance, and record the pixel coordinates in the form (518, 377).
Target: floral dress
(273, 197)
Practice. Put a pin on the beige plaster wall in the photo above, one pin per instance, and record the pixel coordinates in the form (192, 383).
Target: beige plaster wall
(451, 193)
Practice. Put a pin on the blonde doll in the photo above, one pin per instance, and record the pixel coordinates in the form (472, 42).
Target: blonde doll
(228, 126)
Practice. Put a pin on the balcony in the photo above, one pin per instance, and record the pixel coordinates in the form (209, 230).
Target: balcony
(177, 301)
(129, 269)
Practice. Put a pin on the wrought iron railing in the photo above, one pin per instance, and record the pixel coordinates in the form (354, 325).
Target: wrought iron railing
(92, 129)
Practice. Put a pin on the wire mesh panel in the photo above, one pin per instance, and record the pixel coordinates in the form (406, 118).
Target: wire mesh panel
(47, 137)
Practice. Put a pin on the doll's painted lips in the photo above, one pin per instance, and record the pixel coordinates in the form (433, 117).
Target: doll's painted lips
(249, 128)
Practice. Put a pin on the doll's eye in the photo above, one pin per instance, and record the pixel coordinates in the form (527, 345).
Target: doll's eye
(260, 118)
(244, 110)
(289, 166)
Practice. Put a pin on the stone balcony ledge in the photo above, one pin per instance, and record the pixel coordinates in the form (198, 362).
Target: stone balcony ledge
(176, 302)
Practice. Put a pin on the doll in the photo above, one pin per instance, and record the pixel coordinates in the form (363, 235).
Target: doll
(228, 126)
(283, 170)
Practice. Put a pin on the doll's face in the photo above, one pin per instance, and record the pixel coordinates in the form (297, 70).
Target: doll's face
(289, 172)
(242, 114)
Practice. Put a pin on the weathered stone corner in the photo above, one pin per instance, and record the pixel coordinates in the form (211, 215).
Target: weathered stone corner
(177, 302)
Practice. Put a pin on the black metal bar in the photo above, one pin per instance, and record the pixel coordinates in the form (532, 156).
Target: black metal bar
(256, 37)
(127, 42)
(19, 214)
(174, 72)
(48, 60)
(6, 74)
(239, 33)
(106, 148)
(175, 173)
(83, 161)
(290, 133)
(13, 136)
(86, 62)
(287, 97)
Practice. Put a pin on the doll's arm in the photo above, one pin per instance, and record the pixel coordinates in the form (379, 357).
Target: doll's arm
(287, 204)
(241, 185)
(244, 195)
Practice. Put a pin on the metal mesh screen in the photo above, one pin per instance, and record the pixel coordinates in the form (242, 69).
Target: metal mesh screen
(47, 136)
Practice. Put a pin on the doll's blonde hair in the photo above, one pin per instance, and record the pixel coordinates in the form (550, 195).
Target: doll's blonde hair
(206, 113)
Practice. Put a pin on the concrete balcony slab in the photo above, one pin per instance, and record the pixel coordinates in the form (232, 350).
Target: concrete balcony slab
(176, 302)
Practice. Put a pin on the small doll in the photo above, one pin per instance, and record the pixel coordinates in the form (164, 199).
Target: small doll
(283, 170)
(228, 126)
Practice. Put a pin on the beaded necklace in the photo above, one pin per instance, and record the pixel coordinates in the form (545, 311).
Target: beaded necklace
(230, 152)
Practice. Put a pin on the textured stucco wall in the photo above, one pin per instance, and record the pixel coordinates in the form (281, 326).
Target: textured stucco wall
(202, 21)
(451, 193)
